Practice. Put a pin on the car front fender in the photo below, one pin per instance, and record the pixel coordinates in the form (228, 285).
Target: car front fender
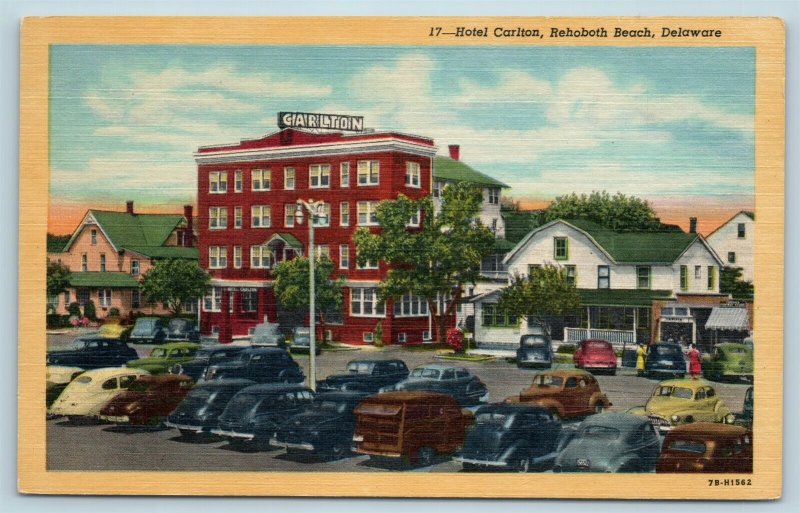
(599, 398)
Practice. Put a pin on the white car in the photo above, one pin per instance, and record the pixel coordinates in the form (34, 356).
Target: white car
(58, 377)
(86, 395)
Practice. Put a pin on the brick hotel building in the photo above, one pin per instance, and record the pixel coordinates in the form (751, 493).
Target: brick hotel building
(247, 196)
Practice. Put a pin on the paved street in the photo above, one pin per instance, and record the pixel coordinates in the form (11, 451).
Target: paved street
(107, 447)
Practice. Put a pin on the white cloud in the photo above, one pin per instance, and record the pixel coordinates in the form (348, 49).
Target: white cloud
(512, 86)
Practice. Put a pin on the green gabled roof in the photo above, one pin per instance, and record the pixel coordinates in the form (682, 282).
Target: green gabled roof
(158, 252)
(621, 297)
(446, 168)
(142, 230)
(520, 223)
(664, 246)
(101, 280)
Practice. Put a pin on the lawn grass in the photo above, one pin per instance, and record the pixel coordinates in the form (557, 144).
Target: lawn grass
(465, 357)
(425, 347)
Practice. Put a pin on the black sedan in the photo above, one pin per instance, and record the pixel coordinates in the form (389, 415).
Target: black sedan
(200, 410)
(183, 329)
(93, 353)
(365, 376)
(457, 382)
(204, 357)
(665, 359)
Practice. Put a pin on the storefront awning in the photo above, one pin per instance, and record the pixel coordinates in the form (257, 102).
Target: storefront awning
(728, 319)
(288, 239)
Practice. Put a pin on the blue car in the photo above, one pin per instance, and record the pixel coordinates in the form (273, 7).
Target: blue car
(665, 359)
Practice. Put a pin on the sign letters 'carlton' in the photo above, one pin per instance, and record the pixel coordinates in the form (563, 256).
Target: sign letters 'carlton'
(314, 120)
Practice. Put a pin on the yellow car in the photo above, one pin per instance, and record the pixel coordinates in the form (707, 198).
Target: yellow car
(86, 395)
(684, 401)
(114, 330)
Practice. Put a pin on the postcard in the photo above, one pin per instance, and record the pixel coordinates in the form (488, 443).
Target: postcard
(402, 257)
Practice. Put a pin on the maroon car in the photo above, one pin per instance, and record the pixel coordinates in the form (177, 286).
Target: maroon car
(707, 447)
(596, 355)
(148, 399)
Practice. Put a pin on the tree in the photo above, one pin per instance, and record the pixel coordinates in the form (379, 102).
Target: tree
(617, 212)
(292, 291)
(542, 295)
(173, 282)
(434, 261)
(731, 282)
(57, 278)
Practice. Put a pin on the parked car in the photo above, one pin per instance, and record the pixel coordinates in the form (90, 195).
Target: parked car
(325, 428)
(259, 364)
(115, 330)
(204, 357)
(92, 353)
(683, 401)
(535, 350)
(301, 341)
(200, 410)
(611, 442)
(149, 330)
(410, 426)
(513, 437)
(86, 395)
(268, 334)
(366, 376)
(183, 329)
(566, 393)
(729, 361)
(665, 358)
(147, 400)
(162, 358)
(745, 418)
(455, 381)
(58, 377)
(705, 447)
(596, 355)
(253, 415)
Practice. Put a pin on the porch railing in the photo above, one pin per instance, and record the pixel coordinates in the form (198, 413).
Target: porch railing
(616, 337)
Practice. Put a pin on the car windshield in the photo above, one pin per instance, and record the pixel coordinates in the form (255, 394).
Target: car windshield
(145, 324)
(666, 350)
(534, 341)
(244, 402)
(139, 386)
(338, 407)
(678, 392)
(494, 418)
(177, 325)
(692, 446)
(597, 345)
(600, 433)
(547, 380)
(359, 368)
(158, 353)
(424, 372)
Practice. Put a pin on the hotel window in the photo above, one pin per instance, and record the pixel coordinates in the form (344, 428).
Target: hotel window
(260, 257)
(84, 263)
(571, 274)
(94, 237)
(237, 257)
(288, 178)
(344, 257)
(322, 251)
(344, 174)
(323, 220)
(260, 216)
(237, 217)
(560, 248)
(731, 257)
(249, 301)
(643, 277)
(698, 273)
(67, 298)
(344, 213)
(136, 298)
(218, 182)
(369, 264)
(414, 221)
(217, 218)
(319, 176)
(82, 296)
(367, 213)
(684, 277)
(260, 179)
(712, 277)
(217, 257)
(213, 301)
(364, 303)
(409, 305)
(104, 297)
(369, 172)
(603, 277)
(740, 230)
(288, 214)
(412, 174)
(102, 262)
(494, 196)
(493, 317)
(238, 181)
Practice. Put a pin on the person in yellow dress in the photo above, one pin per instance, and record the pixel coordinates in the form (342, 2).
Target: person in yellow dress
(641, 354)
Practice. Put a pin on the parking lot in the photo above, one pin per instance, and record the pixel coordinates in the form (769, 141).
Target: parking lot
(108, 447)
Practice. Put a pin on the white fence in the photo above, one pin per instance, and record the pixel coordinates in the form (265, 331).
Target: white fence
(616, 337)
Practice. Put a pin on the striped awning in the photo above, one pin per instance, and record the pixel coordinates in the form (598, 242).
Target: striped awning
(728, 319)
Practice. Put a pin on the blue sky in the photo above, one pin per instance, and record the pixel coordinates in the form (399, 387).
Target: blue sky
(659, 123)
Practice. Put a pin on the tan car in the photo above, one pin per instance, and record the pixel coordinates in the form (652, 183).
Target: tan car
(566, 393)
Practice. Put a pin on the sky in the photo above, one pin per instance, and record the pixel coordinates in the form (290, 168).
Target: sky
(671, 125)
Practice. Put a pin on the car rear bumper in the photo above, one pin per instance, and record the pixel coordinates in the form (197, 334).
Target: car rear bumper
(482, 463)
(233, 434)
(292, 445)
(185, 427)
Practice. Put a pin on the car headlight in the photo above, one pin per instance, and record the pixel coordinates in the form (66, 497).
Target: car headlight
(676, 418)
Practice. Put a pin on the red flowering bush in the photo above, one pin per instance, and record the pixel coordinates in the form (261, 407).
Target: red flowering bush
(455, 339)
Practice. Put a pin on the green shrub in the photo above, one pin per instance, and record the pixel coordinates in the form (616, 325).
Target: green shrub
(114, 312)
(74, 309)
(55, 321)
(378, 338)
(89, 311)
(566, 349)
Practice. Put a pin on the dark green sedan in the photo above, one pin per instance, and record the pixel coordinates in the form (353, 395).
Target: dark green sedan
(162, 358)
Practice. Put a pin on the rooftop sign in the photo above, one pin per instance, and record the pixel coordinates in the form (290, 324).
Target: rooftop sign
(317, 120)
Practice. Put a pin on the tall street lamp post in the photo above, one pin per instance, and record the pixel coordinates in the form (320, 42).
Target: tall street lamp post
(316, 212)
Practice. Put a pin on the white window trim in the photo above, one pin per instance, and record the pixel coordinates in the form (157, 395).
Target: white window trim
(344, 213)
(371, 207)
(237, 257)
(344, 256)
(215, 300)
(137, 267)
(361, 301)
(215, 219)
(413, 170)
(289, 210)
(344, 171)
(286, 176)
(411, 223)
(263, 253)
(221, 252)
(402, 338)
(238, 218)
(369, 174)
(260, 209)
(261, 173)
(422, 304)
(104, 297)
(222, 184)
(238, 181)
(319, 170)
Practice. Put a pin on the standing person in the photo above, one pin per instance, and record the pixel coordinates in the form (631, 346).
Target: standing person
(641, 354)
(694, 361)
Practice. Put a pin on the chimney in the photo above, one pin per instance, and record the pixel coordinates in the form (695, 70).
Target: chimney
(129, 207)
(188, 233)
(454, 151)
(692, 225)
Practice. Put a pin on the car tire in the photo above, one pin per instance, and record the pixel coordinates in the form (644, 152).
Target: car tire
(336, 451)
(425, 456)
(188, 434)
(521, 463)
(613, 372)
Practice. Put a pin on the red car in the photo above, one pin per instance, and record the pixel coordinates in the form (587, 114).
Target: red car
(147, 400)
(596, 355)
